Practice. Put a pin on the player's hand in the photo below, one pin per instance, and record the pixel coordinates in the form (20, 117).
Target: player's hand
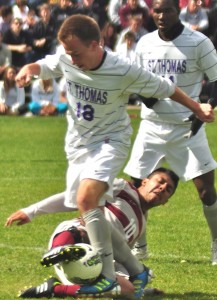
(205, 113)
(23, 80)
(19, 216)
(24, 77)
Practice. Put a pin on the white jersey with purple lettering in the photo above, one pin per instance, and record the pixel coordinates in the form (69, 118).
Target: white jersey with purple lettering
(184, 61)
(98, 98)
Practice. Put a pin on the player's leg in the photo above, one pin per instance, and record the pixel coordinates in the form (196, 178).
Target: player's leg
(61, 243)
(207, 194)
(97, 169)
(52, 287)
(98, 231)
(196, 162)
(139, 274)
(147, 154)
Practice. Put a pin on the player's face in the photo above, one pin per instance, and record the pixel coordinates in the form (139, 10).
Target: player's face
(157, 189)
(165, 14)
(82, 55)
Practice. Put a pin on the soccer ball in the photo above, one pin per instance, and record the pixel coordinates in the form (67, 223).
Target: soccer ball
(86, 269)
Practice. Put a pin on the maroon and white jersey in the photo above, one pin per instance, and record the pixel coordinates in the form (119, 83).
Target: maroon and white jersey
(124, 212)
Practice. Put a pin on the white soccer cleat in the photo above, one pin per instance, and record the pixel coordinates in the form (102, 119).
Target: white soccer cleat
(141, 253)
(214, 252)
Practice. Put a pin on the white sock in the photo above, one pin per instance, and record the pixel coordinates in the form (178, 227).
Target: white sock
(123, 254)
(210, 213)
(99, 233)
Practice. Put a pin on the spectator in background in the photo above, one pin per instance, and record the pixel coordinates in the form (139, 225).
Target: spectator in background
(127, 48)
(5, 57)
(109, 35)
(19, 42)
(204, 3)
(194, 16)
(44, 33)
(45, 98)
(6, 16)
(132, 7)
(31, 21)
(61, 11)
(136, 27)
(34, 4)
(20, 10)
(96, 9)
(113, 11)
(12, 98)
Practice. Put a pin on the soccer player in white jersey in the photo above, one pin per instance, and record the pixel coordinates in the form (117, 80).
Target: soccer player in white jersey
(125, 212)
(99, 130)
(184, 56)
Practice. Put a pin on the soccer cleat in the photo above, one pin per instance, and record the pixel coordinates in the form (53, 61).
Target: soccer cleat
(62, 253)
(141, 253)
(214, 252)
(140, 281)
(101, 286)
(43, 290)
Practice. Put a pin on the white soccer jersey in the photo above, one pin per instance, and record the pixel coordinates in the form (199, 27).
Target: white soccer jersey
(98, 98)
(184, 61)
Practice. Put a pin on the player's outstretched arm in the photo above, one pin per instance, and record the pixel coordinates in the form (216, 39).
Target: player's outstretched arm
(25, 75)
(49, 205)
(203, 111)
(19, 216)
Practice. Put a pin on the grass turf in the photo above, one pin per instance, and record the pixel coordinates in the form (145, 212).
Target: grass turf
(33, 166)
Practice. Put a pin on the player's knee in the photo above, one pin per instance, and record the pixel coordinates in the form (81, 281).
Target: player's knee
(208, 196)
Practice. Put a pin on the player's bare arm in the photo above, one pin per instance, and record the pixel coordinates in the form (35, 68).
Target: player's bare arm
(25, 75)
(203, 111)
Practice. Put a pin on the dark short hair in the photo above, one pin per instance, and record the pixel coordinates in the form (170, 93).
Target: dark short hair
(82, 26)
(172, 175)
(6, 10)
(175, 3)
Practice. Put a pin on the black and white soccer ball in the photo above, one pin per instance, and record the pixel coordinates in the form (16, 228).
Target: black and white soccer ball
(83, 271)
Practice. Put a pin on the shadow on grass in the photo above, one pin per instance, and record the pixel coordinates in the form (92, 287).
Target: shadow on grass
(174, 296)
(184, 296)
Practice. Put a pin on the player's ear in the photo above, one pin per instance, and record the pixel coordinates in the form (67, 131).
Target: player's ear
(94, 44)
(144, 181)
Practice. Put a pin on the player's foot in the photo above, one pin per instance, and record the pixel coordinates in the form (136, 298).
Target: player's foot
(214, 252)
(102, 286)
(140, 281)
(43, 290)
(62, 253)
(141, 252)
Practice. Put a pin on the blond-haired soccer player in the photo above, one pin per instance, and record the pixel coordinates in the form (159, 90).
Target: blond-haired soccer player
(99, 129)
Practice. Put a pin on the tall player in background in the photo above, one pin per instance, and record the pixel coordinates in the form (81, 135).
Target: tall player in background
(184, 56)
(98, 137)
(125, 212)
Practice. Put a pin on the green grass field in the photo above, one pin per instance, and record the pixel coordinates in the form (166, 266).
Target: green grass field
(33, 166)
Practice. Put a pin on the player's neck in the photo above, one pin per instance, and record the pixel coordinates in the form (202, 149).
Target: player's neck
(100, 59)
(172, 33)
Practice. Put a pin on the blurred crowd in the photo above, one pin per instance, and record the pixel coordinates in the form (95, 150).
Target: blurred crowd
(28, 32)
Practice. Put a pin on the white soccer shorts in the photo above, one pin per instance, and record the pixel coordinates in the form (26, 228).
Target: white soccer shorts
(157, 143)
(103, 164)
